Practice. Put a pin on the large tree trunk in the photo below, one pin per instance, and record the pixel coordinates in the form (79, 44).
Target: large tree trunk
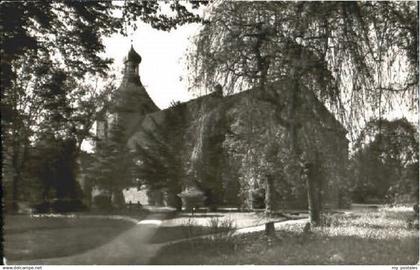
(313, 191)
(268, 195)
(16, 176)
(15, 192)
(311, 183)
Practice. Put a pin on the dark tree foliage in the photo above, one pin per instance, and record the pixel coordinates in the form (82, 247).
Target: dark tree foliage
(208, 169)
(386, 162)
(112, 168)
(52, 166)
(354, 55)
(74, 30)
(161, 157)
(48, 51)
(347, 53)
(46, 100)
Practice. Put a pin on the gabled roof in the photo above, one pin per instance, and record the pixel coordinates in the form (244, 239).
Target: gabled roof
(282, 88)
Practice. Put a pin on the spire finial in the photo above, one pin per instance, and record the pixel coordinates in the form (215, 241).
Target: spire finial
(133, 56)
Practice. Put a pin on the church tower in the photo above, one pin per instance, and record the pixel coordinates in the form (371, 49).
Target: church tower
(130, 102)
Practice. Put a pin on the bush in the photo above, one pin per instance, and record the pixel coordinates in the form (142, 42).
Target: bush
(258, 198)
(192, 198)
(329, 220)
(102, 202)
(191, 228)
(222, 226)
(68, 205)
(41, 208)
(59, 206)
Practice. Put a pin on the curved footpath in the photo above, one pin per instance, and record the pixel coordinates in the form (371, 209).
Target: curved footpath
(130, 247)
(133, 246)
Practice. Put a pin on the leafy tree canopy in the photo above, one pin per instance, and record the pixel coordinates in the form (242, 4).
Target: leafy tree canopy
(72, 31)
(358, 57)
(386, 161)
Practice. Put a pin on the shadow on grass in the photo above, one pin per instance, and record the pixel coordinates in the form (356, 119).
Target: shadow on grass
(291, 248)
(43, 238)
(172, 233)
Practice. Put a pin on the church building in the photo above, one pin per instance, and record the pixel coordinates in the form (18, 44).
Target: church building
(228, 146)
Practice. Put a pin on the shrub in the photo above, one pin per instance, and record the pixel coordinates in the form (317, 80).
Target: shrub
(191, 228)
(60, 206)
(192, 198)
(42, 208)
(223, 230)
(222, 226)
(67, 205)
(258, 198)
(331, 220)
(102, 202)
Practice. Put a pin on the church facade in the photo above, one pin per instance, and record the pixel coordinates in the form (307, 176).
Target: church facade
(231, 147)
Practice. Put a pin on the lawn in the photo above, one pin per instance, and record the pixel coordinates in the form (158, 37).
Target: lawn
(381, 237)
(185, 225)
(27, 237)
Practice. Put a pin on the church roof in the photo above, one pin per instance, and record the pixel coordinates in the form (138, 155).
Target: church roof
(133, 56)
(324, 117)
(131, 97)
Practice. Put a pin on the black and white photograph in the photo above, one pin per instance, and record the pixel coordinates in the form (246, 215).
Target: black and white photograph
(281, 133)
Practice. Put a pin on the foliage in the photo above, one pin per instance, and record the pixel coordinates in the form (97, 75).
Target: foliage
(161, 155)
(345, 52)
(365, 238)
(222, 228)
(258, 197)
(47, 103)
(385, 163)
(207, 161)
(50, 51)
(102, 202)
(52, 166)
(113, 167)
(60, 206)
(217, 229)
(191, 228)
(261, 150)
(74, 30)
(192, 198)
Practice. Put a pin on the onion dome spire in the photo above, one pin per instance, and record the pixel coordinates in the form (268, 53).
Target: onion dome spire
(131, 62)
(133, 56)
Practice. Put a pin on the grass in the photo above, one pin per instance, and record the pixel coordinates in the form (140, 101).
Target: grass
(27, 237)
(214, 224)
(381, 237)
(184, 225)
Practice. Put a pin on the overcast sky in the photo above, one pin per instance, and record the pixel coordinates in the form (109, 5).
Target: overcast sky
(163, 54)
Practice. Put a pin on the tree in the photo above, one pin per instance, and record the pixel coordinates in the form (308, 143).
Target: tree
(52, 166)
(47, 44)
(46, 101)
(206, 133)
(112, 168)
(385, 161)
(342, 51)
(161, 155)
(346, 52)
(74, 30)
